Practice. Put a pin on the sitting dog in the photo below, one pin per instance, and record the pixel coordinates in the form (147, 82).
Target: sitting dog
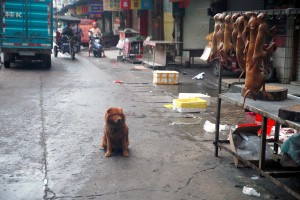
(115, 136)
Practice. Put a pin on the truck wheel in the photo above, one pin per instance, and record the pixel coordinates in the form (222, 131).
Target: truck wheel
(48, 61)
(55, 51)
(95, 53)
(7, 64)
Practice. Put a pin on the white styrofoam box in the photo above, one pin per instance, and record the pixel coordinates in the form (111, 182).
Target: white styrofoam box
(193, 95)
(164, 77)
(189, 105)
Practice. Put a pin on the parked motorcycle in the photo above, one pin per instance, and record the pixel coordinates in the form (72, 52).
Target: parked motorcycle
(97, 45)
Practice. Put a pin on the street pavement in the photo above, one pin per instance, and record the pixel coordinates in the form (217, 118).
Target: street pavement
(52, 122)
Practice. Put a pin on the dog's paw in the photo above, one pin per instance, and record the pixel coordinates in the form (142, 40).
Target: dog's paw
(125, 153)
(102, 145)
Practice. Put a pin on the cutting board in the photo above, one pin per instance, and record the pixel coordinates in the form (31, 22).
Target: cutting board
(291, 113)
(278, 93)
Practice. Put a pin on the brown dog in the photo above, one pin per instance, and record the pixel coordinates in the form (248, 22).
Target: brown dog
(115, 132)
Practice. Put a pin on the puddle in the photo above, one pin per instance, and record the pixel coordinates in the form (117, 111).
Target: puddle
(190, 88)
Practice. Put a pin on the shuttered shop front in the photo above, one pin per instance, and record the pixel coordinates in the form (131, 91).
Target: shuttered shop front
(196, 25)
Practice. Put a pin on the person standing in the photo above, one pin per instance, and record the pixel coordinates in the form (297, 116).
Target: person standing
(77, 30)
(94, 31)
(78, 34)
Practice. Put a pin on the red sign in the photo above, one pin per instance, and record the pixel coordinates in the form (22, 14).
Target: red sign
(125, 4)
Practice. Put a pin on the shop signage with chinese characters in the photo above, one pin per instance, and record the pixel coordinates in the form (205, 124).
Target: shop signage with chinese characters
(81, 10)
(111, 5)
(146, 5)
(136, 4)
(95, 8)
(125, 4)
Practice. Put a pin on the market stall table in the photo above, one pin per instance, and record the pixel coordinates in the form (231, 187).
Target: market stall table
(158, 53)
(269, 110)
(130, 45)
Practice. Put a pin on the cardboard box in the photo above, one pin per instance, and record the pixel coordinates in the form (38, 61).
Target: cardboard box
(189, 105)
(193, 95)
(235, 135)
(163, 77)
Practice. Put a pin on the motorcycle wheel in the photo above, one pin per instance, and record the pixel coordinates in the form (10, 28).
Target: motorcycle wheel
(7, 64)
(55, 51)
(97, 54)
(73, 54)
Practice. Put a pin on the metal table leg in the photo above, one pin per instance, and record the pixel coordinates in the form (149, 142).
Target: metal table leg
(217, 134)
(263, 141)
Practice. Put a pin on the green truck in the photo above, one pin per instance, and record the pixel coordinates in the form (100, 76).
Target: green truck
(26, 31)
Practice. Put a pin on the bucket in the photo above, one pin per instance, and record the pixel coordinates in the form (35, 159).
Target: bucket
(270, 124)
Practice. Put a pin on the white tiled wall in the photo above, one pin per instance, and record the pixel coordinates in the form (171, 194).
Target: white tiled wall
(283, 56)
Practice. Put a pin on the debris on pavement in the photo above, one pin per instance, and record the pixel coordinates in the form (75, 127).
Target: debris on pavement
(118, 81)
(140, 68)
(254, 178)
(211, 127)
(250, 191)
(168, 106)
(199, 76)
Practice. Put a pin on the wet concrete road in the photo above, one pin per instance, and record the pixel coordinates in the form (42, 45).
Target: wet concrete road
(52, 122)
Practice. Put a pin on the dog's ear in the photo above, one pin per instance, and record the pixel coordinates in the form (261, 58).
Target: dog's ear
(108, 110)
(107, 113)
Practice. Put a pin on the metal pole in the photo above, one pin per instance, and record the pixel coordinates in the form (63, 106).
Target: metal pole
(276, 137)
(263, 140)
(218, 113)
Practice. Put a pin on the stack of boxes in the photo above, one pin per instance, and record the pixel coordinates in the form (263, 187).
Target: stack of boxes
(163, 77)
(191, 102)
(186, 102)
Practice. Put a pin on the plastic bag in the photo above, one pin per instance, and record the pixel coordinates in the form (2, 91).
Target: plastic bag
(292, 147)
(211, 127)
(250, 191)
(248, 147)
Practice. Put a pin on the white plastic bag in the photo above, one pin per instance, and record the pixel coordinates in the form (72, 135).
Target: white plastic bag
(211, 128)
(250, 191)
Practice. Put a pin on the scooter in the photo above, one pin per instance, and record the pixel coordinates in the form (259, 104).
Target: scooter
(97, 46)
